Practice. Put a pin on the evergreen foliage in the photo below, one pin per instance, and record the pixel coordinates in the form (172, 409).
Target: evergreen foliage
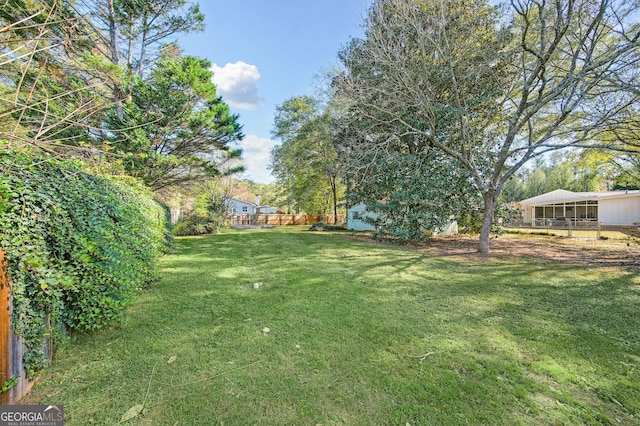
(408, 196)
(78, 245)
(209, 214)
(175, 128)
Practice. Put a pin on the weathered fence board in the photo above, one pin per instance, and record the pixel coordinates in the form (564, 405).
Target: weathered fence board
(5, 327)
(11, 349)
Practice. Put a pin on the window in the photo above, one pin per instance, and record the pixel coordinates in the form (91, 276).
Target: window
(245, 209)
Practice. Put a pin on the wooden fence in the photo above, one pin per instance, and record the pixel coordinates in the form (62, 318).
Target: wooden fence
(11, 347)
(280, 219)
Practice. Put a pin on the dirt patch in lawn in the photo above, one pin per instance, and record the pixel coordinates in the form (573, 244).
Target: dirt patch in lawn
(587, 252)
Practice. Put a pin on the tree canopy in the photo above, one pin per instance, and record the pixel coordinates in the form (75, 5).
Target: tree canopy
(51, 79)
(104, 81)
(305, 163)
(175, 128)
(489, 87)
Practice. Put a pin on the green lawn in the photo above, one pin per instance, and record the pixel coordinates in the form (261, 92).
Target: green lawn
(359, 334)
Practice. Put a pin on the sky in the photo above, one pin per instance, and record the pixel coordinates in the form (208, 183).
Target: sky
(267, 51)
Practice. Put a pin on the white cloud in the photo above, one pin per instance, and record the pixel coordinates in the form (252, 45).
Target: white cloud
(256, 152)
(237, 84)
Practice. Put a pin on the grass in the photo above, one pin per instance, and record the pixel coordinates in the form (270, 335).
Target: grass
(359, 334)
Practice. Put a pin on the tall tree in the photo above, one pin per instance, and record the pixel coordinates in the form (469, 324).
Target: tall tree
(305, 163)
(489, 90)
(63, 64)
(50, 82)
(130, 33)
(144, 26)
(579, 172)
(628, 172)
(175, 129)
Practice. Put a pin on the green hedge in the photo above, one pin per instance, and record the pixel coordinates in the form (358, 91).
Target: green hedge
(78, 245)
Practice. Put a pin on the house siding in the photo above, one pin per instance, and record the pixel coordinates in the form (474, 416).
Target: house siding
(266, 210)
(240, 207)
(619, 211)
(354, 222)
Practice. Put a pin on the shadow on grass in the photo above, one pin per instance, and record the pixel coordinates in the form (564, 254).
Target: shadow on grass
(552, 323)
(359, 334)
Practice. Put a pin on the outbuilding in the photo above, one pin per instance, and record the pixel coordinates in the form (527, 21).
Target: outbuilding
(360, 219)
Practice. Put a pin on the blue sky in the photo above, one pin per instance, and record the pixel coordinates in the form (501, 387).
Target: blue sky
(267, 51)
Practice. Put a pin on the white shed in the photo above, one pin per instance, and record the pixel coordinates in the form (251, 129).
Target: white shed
(356, 222)
(608, 208)
(356, 216)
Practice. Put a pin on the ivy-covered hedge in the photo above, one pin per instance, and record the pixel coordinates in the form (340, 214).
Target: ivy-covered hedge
(78, 245)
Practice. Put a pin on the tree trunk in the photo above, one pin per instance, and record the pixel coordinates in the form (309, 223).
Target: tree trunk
(130, 50)
(334, 192)
(115, 57)
(143, 45)
(490, 201)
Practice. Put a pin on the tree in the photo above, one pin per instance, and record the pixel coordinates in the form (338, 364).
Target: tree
(63, 64)
(305, 163)
(51, 86)
(175, 129)
(137, 29)
(490, 90)
(129, 34)
(405, 191)
(580, 172)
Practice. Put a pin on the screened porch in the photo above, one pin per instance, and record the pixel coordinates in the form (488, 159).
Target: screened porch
(580, 213)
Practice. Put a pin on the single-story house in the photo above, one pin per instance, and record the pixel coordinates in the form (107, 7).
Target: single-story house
(621, 208)
(356, 221)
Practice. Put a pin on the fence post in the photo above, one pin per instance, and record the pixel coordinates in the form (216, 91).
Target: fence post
(569, 227)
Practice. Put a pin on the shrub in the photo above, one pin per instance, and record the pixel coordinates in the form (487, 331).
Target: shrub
(208, 216)
(321, 226)
(79, 245)
(196, 223)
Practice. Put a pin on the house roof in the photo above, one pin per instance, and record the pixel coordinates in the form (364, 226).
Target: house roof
(564, 196)
(241, 201)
